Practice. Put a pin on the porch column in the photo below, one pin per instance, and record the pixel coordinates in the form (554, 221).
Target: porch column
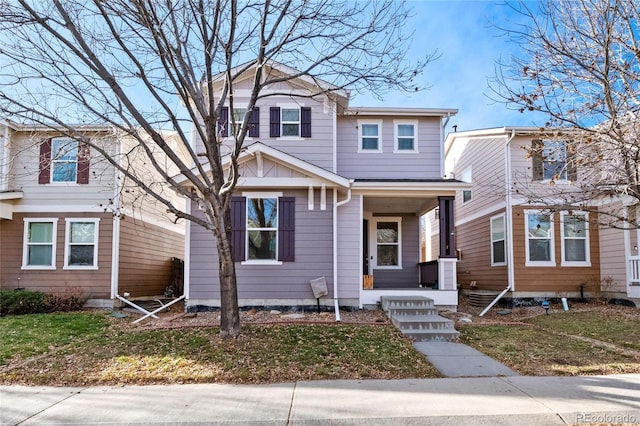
(447, 222)
(447, 260)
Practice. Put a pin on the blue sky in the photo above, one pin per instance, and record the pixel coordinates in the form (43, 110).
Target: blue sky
(464, 33)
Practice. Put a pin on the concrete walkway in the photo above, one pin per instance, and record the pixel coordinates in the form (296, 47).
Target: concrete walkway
(468, 401)
(458, 360)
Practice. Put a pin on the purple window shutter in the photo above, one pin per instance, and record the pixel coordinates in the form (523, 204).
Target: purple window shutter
(254, 123)
(305, 122)
(223, 122)
(274, 122)
(44, 174)
(238, 228)
(286, 229)
(84, 152)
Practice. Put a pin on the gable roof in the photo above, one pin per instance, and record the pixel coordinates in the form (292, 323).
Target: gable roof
(258, 150)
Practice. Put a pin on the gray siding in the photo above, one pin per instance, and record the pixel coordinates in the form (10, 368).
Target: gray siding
(290, 280)
(425, 164)
(408, 275)
(349, 248)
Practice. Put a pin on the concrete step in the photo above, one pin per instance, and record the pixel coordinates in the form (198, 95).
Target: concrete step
(417, 318)
(405, 311)
(422, 322)
(432, 335)
(390, 302)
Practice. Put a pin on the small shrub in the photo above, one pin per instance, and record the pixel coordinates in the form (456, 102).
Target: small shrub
(69, 299)
(19, 302)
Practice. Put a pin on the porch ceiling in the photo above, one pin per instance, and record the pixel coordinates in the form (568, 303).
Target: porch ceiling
(405, 204)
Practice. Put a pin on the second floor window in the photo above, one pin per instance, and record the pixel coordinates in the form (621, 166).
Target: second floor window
(406, 137)
(64, 160)
(551, 160)
(369, 137)
(290, 122)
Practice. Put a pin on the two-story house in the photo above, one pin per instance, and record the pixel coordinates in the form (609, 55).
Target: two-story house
(70, 220)
(335, 192)
(518, 248)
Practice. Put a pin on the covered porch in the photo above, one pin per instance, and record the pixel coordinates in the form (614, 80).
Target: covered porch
(392, 235)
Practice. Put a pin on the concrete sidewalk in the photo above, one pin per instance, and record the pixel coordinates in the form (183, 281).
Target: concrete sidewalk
(462, 401)
(458, 360)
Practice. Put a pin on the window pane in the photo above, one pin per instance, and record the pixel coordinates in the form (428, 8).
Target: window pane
(262, 213)
(39, 255)
(575, 226)
(369, 130)
(539, 225)
(238, 114)
(64, 171)
(64, 149)
(387, 232)
(82, 232)
(290, 114)
(81, 255)
(262, 245)
(40, 232)
(554, 156)
(405, 143)
(574, 250)
(497, 229)
(539, 250)
(405, 130)
(369, 143)
(290, 130)
(466, 196)
(387, 255)
(498, 251)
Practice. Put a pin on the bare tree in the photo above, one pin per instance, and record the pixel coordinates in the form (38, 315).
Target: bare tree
(145, 65)
(579, 65)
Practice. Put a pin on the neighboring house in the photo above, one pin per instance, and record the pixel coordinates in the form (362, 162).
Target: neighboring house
(505, 244)
(69, 221)
(335, 192)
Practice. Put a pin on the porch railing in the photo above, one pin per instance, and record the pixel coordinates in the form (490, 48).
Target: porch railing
(429, 274)
(634, 269)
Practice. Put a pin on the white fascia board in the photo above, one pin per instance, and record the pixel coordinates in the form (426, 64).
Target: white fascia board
(389, 111)
(411, 186)
(11, 195)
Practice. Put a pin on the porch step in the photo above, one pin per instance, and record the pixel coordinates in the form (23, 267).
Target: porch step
(417, 318)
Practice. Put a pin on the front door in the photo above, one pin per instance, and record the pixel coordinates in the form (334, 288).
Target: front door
(365, 248)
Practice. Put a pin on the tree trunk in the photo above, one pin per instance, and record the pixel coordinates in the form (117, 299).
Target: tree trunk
(229, 315)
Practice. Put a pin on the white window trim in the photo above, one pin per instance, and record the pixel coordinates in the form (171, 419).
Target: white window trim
(53, 161)
(297, 106)
(370, 151)
(230, 125)
(25, 243)
(587, 239)
(397, 150)
(552, 254)
(248, 261)
(467, 176)
(374, 241)
(504, 229)
(67, 235)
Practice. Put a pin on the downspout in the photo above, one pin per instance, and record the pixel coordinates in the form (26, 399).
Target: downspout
(337, 204)
(115, 242)
(442, 127)
(508, 227)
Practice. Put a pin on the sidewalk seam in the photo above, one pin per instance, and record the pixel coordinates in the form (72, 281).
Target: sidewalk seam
(50, 406)
(504, 379)
(293, 395)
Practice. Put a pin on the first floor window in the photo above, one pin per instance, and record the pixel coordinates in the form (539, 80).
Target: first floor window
(81, 249)
(498, 252)
(388, 243)
(575, 239)
(539, 234)
(262, 228)
(39, 243)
